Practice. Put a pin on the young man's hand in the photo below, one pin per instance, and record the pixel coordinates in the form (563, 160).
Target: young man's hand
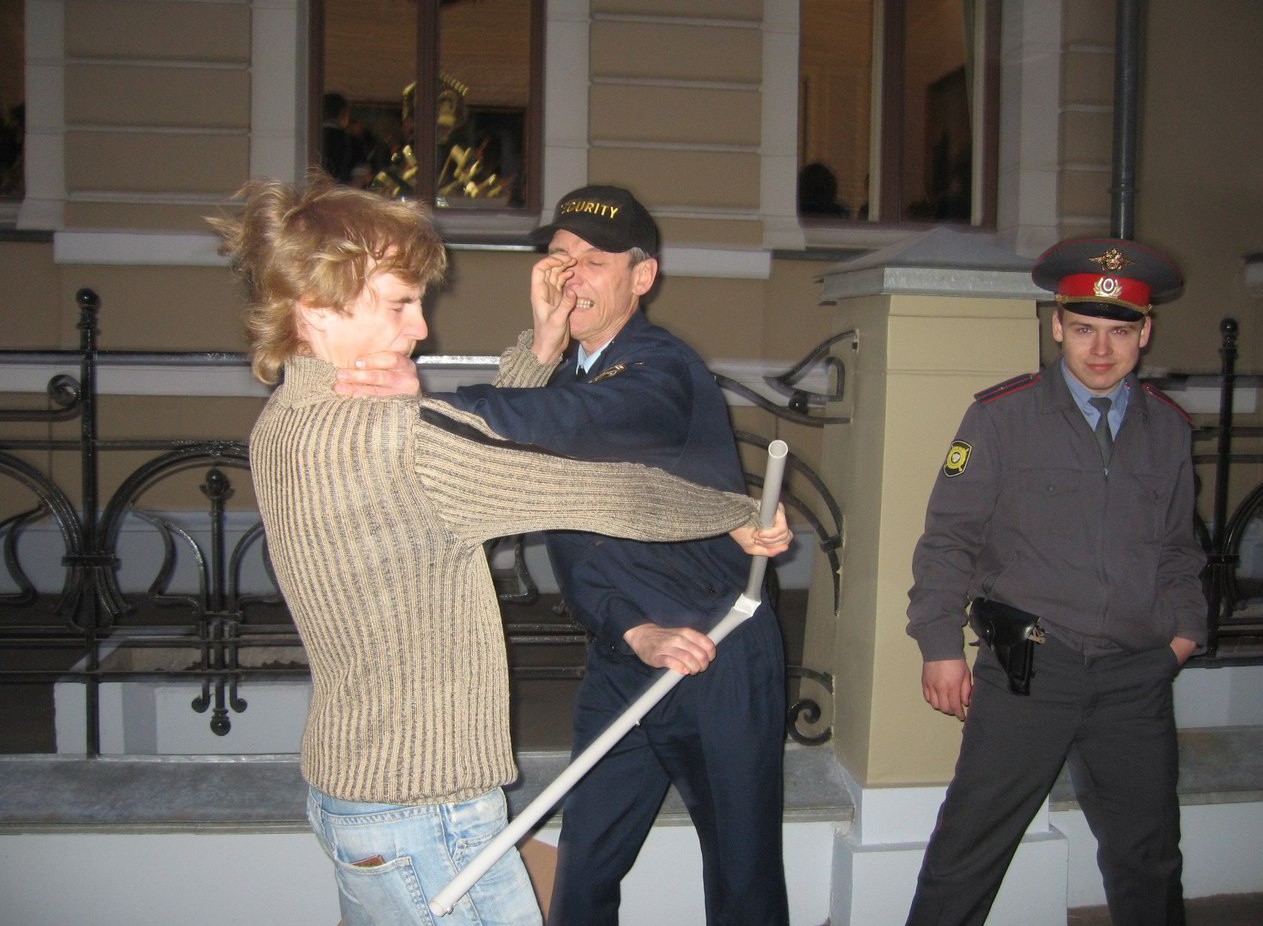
(757, 541)
(380, 374)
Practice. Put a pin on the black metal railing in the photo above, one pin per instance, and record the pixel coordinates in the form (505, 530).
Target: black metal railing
(210, 610)
(1234, 599)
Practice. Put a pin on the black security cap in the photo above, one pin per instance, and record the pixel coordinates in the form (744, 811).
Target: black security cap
(606, 217)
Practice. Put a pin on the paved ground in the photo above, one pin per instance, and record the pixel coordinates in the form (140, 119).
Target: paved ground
(1225, 910)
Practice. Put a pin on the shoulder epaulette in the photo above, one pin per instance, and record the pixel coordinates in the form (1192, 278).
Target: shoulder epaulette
(1008, 387)
(1162, 397)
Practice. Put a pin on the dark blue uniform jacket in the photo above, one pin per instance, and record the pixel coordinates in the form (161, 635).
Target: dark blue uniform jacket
(648, 399)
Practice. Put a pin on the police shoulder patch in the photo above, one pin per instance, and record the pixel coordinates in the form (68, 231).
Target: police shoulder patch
(957, 458)
(1008, 387)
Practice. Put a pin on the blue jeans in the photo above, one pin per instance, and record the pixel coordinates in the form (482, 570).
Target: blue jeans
(389, 860)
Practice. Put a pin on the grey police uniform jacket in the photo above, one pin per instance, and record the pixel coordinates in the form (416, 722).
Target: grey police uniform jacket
(1024, 511)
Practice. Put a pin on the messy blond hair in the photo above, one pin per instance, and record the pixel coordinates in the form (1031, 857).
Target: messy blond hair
(318, 243)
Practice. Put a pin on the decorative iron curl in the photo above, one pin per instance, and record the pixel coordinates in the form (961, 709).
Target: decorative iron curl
(798, 405)
(192, 456)
(64, 391)
(806, 711)
(54, 503)
(216, 607)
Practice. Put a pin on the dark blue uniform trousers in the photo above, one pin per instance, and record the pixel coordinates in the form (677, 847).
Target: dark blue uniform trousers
(1112, 718)
(719, 738)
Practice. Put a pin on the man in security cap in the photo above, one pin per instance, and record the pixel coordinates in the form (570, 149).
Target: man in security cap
(1063, 516)
(616, 387)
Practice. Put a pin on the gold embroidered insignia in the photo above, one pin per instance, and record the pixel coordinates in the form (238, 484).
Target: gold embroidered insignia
(957, 458)
(1112, 260)
(612, 371)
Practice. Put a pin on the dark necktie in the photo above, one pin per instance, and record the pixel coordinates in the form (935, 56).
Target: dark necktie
(1104, 439)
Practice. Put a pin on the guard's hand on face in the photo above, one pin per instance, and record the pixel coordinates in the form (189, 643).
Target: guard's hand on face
(947, 685)
(380, 374)
(551, 305)
(756, 541)
(680, 649)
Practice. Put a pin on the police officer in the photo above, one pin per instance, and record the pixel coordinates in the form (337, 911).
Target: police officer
(1066, 502)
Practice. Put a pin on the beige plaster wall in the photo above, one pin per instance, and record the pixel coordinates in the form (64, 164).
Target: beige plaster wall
(157, 110)
(30, 307)
(1199, 187)
(1200, 181)
(657, 83)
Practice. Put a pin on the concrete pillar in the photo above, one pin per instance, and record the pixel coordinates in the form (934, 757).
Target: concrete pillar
(934, 320)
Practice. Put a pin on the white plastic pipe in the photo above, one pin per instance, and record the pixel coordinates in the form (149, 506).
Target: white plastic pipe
(744, 607)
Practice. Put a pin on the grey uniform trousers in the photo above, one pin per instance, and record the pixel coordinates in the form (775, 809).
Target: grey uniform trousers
(1112, 719)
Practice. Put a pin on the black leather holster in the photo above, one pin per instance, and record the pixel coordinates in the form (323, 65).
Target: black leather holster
(1012, 634)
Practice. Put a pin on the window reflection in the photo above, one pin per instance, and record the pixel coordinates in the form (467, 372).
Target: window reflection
(12, 143)
(479, 126)
(12, 93)
(888, 129)
(937, 136)
(836, 80)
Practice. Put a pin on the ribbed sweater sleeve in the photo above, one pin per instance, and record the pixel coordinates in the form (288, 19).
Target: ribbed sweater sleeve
(521, 489)
(519, 368)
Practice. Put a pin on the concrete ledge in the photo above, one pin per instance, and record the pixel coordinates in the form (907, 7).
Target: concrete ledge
(1218, 765)
(815, 788)
(166, 793)
(250, 793)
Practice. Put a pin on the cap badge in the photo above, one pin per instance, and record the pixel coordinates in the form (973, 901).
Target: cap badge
(1112, 260)
(1108, 288)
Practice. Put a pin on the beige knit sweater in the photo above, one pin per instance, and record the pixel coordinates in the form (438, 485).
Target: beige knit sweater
(375, 520)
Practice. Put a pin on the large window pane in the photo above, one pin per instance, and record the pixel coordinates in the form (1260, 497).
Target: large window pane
(835, 73)
(484, 72)
(937, 131)
(380, 56)
(370, 59)
(12, 99)
(892, 122)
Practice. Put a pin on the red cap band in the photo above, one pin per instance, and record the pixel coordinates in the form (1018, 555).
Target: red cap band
(1106, 288)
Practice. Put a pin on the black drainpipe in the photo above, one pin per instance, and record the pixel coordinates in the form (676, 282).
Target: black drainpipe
(1126, 96)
